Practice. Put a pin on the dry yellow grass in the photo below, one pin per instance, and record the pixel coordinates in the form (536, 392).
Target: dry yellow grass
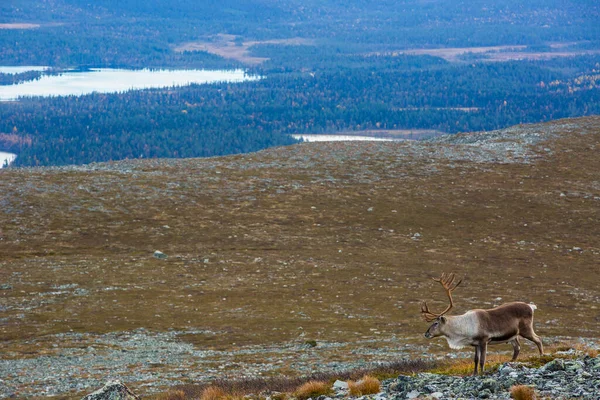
(465, 366)
(213, 393)
(366, 385)
(172, 395)
(313, 389)
(522, 392)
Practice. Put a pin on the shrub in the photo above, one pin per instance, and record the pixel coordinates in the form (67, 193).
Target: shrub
(367, 385)
(522, 392)
(313, 389)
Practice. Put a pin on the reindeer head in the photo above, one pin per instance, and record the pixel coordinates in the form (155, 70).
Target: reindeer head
(436, 328)
(447, 282)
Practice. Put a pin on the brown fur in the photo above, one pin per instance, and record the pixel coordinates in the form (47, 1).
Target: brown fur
(479, 328)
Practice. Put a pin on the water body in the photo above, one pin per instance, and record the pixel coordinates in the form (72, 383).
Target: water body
(341, 138)
(6, 158)
(108, 80)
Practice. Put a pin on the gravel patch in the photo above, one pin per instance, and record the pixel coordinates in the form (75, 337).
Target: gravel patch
(155, 361)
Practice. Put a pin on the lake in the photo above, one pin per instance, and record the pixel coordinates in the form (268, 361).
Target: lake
(108, 80)
(6, 157)
(339, 138)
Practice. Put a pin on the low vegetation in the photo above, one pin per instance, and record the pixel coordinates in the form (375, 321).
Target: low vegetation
(366, 385)
(330, 244)
(172, 395)
(365, 380)
(369, 381)
(522, 392)
(313, 389)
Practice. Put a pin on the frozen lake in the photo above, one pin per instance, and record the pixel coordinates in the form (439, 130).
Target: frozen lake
(6, 158)
(339, 138)
(107, 80)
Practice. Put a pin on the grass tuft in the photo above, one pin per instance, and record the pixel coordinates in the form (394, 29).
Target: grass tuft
(313, 389)
(522, 392)
(367, 385)
(172, 395)
(213, 393)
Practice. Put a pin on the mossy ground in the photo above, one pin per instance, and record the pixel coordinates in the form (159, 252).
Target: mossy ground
(313, 241)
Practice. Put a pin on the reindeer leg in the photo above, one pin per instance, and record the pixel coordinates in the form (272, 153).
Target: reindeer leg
(477, 352)
(530, 335)
(538, 342)
(516, 348)
(482, 351)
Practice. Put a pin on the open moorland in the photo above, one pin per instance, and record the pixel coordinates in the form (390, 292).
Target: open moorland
(295, 259)
(500, 53)
(235, 48)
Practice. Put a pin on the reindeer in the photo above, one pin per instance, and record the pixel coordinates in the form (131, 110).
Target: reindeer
(478, 328)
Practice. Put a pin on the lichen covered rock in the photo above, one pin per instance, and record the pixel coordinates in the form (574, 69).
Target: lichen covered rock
(113, 390)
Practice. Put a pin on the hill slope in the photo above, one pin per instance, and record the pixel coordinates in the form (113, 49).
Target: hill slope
(332, 242)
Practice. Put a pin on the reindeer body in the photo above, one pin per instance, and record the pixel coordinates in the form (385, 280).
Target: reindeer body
(478, 328)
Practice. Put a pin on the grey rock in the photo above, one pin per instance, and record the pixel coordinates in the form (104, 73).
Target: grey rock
(574, 367)
(113, 390)
(160, 255)
(555, 365)
(413, 394)
(340, 385)
(490, 384)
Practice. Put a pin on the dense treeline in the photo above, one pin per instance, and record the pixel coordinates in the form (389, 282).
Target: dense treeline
(12, 79)
(144, 34)
(377, 93)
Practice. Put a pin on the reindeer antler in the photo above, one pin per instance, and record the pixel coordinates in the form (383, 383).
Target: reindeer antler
(447, 281)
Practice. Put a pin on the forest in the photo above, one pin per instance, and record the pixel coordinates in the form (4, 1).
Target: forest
(350, 71)
(130, 33)
(206, 120)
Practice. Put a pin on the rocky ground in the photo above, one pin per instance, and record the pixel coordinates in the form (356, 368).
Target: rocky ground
(268, 253)
(561, 378)
(558, 379)
(150, 361)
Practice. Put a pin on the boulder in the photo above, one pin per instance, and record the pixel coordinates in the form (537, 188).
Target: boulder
(113, 390)
(340, 385)
(160, 255)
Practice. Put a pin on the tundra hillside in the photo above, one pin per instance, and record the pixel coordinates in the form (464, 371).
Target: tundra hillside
(290, 260)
